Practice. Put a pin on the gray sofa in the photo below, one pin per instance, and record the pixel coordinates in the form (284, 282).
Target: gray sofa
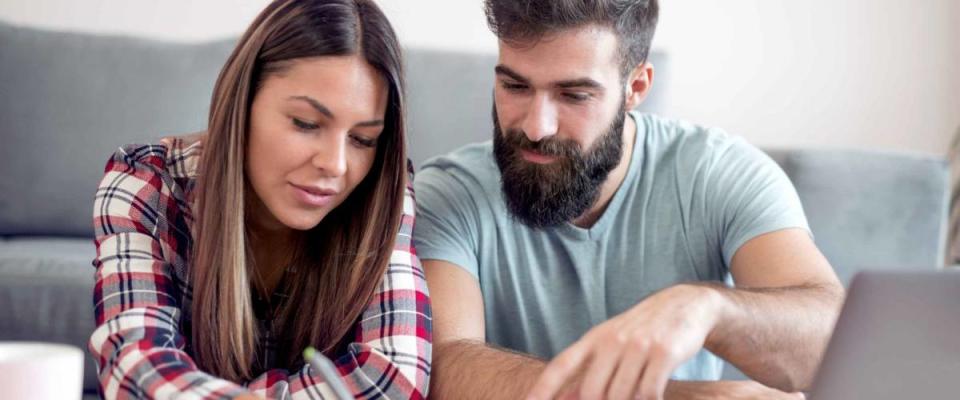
(69, 100)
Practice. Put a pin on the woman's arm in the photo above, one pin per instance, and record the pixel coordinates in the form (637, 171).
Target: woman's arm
(390, 356)
(137, 344)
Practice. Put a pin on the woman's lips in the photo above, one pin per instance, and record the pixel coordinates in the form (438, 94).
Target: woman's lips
(313, 196)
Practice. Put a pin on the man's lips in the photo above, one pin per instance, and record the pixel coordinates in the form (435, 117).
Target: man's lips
(536, 157)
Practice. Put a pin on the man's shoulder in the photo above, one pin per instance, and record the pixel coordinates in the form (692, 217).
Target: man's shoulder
(684, 144)
(472, 165)
(684, 136)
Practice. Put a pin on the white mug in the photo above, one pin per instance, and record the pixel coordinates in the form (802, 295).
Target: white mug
(30, 370)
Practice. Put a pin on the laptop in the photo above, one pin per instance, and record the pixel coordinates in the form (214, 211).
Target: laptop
(898, 337)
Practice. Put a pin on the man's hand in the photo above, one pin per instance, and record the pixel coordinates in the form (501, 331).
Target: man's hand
(635, 353)
(727, 390)
(750, 390)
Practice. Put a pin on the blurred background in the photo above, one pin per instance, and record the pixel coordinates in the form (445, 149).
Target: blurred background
(871, 74)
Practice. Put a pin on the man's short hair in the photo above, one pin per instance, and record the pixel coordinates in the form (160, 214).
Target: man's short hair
(633, 22)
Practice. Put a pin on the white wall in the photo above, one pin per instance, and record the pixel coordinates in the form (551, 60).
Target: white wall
(879, 74)
(851, 73)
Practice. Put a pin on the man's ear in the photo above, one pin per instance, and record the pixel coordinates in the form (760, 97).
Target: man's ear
(638, 85)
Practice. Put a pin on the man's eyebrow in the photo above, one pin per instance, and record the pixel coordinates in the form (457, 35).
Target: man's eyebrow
(586, 83)
(504, 70)
(315, 104)
(566, 84)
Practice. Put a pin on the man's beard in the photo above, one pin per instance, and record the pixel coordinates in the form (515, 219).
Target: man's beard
(548, 195)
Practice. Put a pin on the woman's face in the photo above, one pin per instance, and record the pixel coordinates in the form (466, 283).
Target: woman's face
(313, 136)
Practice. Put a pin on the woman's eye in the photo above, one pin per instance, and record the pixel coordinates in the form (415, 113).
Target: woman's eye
(363, 142)
(304, 125)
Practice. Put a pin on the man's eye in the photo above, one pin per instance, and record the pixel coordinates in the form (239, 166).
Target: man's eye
(304, 125)
(576, 97)
(513, 87)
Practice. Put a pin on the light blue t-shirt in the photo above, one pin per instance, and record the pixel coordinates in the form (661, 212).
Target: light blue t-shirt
(691, 197)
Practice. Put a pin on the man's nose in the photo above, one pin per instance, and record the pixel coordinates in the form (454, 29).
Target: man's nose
(541, 119)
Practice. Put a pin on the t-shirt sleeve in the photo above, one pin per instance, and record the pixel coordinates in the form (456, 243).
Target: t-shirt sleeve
(752, 196)
(447, 219)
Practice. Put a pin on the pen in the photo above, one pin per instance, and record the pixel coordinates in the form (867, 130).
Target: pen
(328, 371)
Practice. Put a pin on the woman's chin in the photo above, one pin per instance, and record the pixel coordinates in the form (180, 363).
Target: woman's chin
(303, 222)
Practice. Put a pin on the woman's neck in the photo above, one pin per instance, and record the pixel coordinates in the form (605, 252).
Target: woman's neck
(272, 253)
(272, 246)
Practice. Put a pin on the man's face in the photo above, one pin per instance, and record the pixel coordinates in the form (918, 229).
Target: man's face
(558, 123)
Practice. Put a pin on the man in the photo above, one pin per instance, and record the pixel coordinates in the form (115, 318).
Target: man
(600, 239)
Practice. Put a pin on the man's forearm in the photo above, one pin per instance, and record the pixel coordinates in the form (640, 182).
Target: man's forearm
(776, 335)
(469, 369)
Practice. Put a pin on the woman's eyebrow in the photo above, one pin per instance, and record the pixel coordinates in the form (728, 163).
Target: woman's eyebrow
(326, 111)
(315, 104)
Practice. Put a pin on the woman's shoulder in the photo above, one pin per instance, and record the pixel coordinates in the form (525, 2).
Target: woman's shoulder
(183, 154)
(142, 181)
(172, 156)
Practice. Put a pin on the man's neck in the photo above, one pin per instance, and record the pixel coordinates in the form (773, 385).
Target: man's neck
(614, 179)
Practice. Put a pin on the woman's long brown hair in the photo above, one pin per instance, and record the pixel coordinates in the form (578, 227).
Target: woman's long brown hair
(340, 262)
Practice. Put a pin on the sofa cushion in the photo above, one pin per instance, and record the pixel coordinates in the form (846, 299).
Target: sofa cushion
(46, 292)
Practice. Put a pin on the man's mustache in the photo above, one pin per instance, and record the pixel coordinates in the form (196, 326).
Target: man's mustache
(549, 146)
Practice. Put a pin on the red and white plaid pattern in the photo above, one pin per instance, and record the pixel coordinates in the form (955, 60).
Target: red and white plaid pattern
(142, 218)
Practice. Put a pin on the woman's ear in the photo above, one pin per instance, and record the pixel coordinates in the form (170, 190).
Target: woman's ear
(638, 85)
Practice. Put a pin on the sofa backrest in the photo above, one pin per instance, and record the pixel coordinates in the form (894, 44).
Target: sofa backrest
(71, 99)
(872, 210)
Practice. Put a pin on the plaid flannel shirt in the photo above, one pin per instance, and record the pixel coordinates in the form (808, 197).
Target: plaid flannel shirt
(142, 220)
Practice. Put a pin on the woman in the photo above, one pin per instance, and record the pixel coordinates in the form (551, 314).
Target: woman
(222, 256)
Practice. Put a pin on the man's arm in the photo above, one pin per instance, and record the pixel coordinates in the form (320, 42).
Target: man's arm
(776, 324)
(775, 329)
(465, 367)
(469, 369)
